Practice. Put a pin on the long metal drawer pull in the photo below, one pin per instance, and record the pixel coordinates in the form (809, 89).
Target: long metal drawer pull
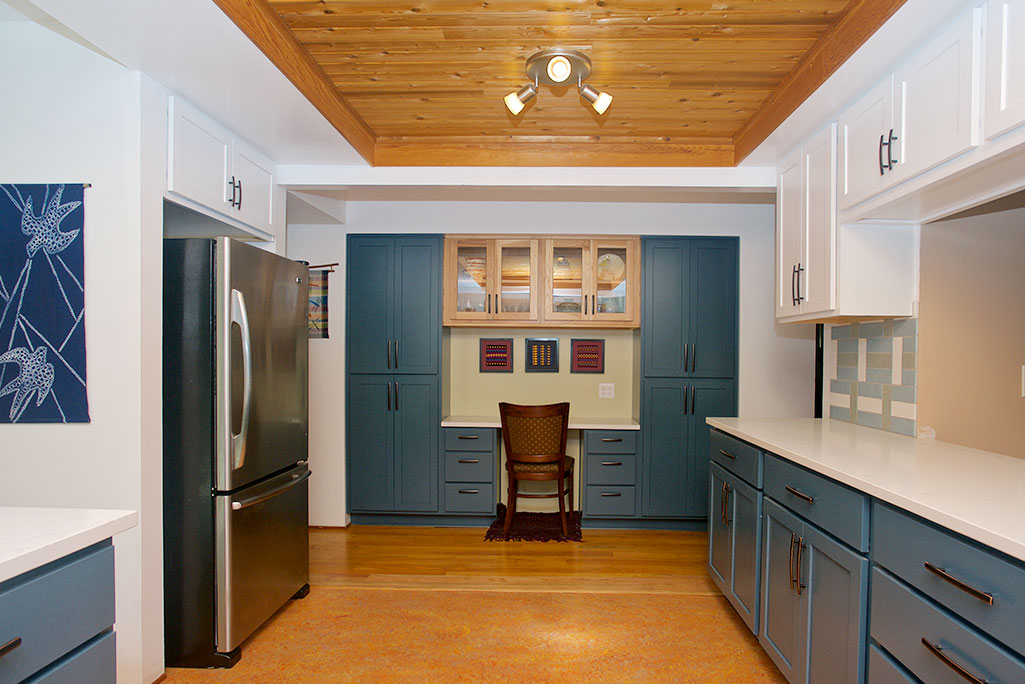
(938, 652)
(793, 540)
(396, 395)
(612, 463)
(246, 503)
(800, 552)
(968, 589)
(469, 491)
(725, 504)
(686, 356)
(469, 460)
(612, 494)
(389, 353)
(694, 358)
(612, 439)
(10, 646)
(469, 436)
(800, 495)
(727, 454)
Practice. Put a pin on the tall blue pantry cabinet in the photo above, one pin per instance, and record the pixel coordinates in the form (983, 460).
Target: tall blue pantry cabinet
(393, 343)
(688, 367)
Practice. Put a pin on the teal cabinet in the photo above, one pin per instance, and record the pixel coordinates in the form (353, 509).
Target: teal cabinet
(734, 541)
(393, 304)
(470, 468)
(609, 473)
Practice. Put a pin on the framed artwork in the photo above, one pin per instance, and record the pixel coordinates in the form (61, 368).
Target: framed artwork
(496, 355)
(587, 356)
(542, 355)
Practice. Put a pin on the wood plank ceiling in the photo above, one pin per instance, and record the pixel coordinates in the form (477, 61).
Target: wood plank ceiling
(421, 82)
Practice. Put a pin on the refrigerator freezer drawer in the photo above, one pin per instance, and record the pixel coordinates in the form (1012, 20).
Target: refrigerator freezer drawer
(262, 553)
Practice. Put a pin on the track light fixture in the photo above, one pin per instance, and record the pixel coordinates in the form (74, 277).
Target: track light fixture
(555, 67)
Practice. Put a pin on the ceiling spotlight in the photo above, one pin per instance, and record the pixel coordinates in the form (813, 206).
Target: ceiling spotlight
(555, 67)
(599, 101)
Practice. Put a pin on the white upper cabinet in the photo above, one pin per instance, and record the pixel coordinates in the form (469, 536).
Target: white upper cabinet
(921, 115)
(208, 165)
(1005, 66)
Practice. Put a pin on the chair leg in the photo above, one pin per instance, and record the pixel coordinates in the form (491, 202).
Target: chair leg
(571, 508)
(562, 505)
(510, 505)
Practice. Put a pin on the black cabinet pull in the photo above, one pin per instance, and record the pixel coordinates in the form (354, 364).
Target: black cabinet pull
(800, 269)
(967, 588)
(686, 357)
(469, 460)
(889, 150)
(239, 205)
(694, 358)
(612, 494)
(724, 510)
(10, 646)
(686, 406)
(800, 552)
(389, 353)
(800, 495)
(612, 463)
(793, 540)
(396, 354)
(469, 491)
(882, 167)
(612, 439)
(693, 401)
(469, 436)
(396, 395)
(489, 303)
(231, 200)
(727, 454)
(949, 662)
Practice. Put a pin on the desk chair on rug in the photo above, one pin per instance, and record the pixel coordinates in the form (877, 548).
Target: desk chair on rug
(535, 449)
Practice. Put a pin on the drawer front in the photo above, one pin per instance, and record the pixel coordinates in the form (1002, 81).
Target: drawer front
(902, 619)
(469, 498)
(609, 501)
(882, 669)
(611, 442)
(470, 439)
(95, 663)
(613, 469)
(740, 458)
(903, 545)
(839, 510)
(470, 466)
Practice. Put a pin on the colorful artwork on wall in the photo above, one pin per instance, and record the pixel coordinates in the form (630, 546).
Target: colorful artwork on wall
(317, 310)
(587, 356)
(496, 355)
(542, 355)
(42, 304)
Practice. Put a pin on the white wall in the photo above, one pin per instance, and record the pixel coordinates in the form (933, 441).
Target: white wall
(776, 361)
(70, 115)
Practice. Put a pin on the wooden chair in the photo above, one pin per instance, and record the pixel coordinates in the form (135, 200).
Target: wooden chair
(535, 449)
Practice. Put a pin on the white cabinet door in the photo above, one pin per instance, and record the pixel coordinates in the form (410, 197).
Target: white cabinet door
(863, 158)
(200, 156)
(1005, 66)
(817, 270)
(789, 232)
(935, 98)
(254, 174)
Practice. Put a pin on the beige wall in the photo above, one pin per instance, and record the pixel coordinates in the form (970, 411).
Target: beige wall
(972, 331)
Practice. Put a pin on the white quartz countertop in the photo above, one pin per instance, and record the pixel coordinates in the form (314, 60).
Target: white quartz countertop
(575, 423)
(977, 493)
(31, 537)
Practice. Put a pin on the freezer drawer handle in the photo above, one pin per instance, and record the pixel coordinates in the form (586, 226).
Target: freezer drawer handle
(963, 586)
(949, 662)
(246, 503)
(240, 316)
(10, 646)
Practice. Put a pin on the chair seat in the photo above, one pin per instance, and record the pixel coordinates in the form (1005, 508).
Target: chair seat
(520, 467)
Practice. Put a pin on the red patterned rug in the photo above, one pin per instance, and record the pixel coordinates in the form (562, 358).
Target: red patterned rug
(534, 527)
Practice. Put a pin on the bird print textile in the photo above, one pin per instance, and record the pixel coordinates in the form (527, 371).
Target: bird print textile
(42, 304)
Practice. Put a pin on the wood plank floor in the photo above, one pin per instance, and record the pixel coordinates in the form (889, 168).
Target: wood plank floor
(412, 604)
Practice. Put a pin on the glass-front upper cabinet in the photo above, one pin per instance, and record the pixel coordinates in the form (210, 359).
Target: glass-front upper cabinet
(593, 282)
(491, 280)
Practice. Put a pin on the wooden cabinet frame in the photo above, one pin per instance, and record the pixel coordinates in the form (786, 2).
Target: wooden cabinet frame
(492, 314)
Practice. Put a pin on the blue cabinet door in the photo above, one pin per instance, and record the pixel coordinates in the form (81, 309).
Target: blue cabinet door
(369, 296)
(665, 321)
(666, 468)
(782, 620)
(417, 422)
(706, 398)
(744, 517)
(720, 537)
(417, 305)
(370, 468)
(713, 309)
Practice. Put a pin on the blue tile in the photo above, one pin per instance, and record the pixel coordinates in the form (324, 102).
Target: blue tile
(905, 327)
(840, 386)
(872, 420)
(840, 413)
(910, 378)
(845, 373)
(910, 344)
(903, 426)
(870, 389)
(902, 393)
(847, 346)
(847, 360)
(870, 329)
(878, 375)
(880, 344)
(840, 332)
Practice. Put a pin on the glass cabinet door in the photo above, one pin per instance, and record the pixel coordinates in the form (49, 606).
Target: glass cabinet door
(517, 279)
(565, 269)
(614, 278)
(467, 280)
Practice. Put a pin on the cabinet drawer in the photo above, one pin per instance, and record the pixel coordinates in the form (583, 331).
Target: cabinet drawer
(611, 442)
(96, 663)
(903, 545)
(470, 466)
(469, 439)
(463, 497)
(740, 458)
(51, 614)
(902, 619)
(612, 469)
(837, 509)
(882, 669)
(609, 501)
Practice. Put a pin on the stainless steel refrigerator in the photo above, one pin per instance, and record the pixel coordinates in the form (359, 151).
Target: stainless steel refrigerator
(236, 539)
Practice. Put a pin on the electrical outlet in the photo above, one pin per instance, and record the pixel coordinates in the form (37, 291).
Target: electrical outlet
(606, 390)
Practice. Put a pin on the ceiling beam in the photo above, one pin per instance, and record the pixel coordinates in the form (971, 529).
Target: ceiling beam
(840, 41)
(271, 35)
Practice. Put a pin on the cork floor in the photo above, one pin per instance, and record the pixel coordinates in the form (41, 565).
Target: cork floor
(423, 605)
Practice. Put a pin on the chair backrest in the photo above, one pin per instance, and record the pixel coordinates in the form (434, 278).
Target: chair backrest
(534, 434)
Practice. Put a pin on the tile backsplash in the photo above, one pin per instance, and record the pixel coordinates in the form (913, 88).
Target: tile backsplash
(874, 380)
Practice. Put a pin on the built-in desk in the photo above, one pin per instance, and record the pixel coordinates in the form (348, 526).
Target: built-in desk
(575, 423)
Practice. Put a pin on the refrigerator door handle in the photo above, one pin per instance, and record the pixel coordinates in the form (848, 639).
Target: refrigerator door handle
(240, 317)
(277, 491)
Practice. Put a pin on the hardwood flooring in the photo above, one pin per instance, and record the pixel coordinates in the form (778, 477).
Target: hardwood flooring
(424, 605)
